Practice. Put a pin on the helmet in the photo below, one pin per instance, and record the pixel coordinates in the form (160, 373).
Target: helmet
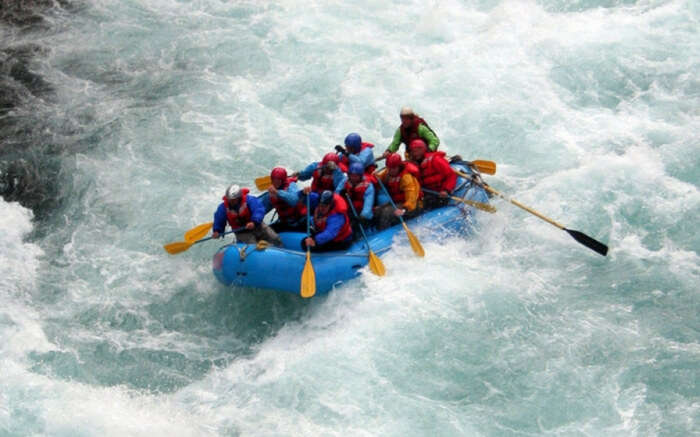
(330, 157)
(279, 173)
(353, 142)
(233, 192)
(326, 197)
(418, 144)
(356, 168)
(393, 160)
(406, 111)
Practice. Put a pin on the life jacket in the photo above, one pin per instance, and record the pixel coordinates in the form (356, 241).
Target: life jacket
(238, 219)
(430, 176)
(322, 181)
(339, 207)
(345, 161)
(410, 133)
(285, 212)
(357, 192)
(393, 183)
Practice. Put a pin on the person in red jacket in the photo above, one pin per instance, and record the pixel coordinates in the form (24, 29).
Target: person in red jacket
(435, 174)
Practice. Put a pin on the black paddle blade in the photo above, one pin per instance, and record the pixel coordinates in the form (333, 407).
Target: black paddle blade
(588, 242)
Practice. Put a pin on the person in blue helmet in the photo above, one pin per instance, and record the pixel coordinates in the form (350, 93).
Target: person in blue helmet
(357, 151)
(360, 189)
(245, 212)
(331, 223)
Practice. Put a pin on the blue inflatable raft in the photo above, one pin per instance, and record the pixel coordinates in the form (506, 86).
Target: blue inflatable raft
(279, 268)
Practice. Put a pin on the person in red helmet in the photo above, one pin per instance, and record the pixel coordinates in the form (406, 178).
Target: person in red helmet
(435, 174)
(327, 174)
(283, 195)
(412, 127)
(400, 179)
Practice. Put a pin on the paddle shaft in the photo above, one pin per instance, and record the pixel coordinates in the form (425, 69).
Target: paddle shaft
(479, 205)
(513, 201)
(220, 235)
(390, 199)
(354, 212)
(579, 236)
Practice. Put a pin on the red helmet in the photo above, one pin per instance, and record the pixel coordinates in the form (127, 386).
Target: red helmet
(418, 143)
(393, 160)
(279, 173)
(330, 157)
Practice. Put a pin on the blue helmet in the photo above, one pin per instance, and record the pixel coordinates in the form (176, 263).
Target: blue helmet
(356, 168)
(353, 142)
(326, 197)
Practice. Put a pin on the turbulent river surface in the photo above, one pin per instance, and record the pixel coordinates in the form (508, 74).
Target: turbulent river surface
(123, 121)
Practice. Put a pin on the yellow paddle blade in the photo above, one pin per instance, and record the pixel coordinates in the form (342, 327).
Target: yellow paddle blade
(308, 278)
(478, 205)
(263, 183)
(488, 167)
(175, 248)
(415, 244)
(198, 232)
(375, 265)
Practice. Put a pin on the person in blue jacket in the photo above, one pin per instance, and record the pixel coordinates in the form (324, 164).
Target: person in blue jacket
(245, 212)
(283, 195)
(331, 223)
(358, 151)
(360, 189)
(329, 174)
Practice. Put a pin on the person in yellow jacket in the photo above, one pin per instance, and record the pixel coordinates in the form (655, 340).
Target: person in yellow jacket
(401, 181)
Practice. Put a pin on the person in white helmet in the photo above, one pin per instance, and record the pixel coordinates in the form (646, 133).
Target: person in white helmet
(245, 212)
(412, 127)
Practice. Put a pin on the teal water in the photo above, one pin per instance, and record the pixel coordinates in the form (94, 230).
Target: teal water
(590, 108)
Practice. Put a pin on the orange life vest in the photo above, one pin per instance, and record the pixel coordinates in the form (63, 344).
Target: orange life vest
(431, 176)
(237, 219)
(321, 181)
(357, 192)
(393, 183)
(286, 212)
(410, 133)
(339, 207)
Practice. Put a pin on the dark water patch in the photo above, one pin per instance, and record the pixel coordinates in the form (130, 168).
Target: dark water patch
(35, 132)
(30, 15)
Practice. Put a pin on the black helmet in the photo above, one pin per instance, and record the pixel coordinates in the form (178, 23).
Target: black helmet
(326, 198)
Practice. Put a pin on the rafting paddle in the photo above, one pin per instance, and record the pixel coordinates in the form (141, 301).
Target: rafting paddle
(487, 167)
(308, 277)
(582, 238)
(479, 205)
(415, 244)
(375, 264)
(198, 232)
(182, 246)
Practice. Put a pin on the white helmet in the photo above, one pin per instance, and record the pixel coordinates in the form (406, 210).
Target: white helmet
(406, 111)
(233, 192)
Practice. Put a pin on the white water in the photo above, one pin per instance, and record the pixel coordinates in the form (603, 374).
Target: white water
(590, 110)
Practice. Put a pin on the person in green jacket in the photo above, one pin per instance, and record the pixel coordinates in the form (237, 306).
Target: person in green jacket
(412, 127)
